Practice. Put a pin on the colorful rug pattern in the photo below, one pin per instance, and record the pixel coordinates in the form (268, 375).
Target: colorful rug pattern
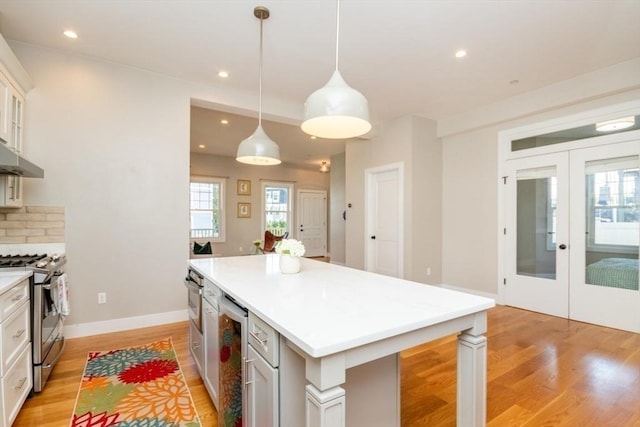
(139, 386)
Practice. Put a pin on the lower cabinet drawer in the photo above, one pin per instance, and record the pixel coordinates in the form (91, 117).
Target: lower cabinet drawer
(14, 334)
(264, 339)
(16, 385)
(12, 298)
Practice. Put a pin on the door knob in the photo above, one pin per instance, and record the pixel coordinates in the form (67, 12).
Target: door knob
(563, 246)
(373, 237)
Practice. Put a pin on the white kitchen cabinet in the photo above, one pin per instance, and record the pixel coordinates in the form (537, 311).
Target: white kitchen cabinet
(11, 131)
(262, 392)
(11, 191)
(5, 89)
(16, 119)
(211, 374)
(16, 374)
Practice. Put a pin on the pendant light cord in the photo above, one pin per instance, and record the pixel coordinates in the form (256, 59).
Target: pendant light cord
(337, 31)
(260, 78)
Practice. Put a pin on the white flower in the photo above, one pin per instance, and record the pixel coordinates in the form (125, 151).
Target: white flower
(291, 247)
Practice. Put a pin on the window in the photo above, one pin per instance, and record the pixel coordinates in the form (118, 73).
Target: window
(613, 192)
(207, 208)
(277, 206)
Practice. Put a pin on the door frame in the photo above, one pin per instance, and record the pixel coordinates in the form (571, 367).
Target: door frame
(504, 153)
(369, 176)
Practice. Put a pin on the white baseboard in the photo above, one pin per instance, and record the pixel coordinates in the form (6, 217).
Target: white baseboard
(495, 297)
(124, 324)
(336, 262)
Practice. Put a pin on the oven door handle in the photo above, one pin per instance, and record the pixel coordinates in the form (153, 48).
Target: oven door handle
(191, 285)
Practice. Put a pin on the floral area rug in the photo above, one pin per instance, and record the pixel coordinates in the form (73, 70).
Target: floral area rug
(139, 386)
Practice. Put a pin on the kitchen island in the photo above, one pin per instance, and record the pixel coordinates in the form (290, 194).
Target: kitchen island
(347, 327)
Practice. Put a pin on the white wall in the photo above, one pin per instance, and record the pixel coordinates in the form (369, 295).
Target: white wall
(411, 140)
(113, 142)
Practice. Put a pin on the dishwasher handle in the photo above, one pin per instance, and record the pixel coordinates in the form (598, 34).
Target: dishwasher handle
(191, 285)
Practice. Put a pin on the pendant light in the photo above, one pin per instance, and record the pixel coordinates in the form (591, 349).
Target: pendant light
(259, 149)
(324, 167)
(336, 110)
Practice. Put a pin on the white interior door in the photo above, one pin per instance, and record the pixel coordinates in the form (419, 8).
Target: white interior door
(605, 202)
(537, 234)
(384, 244)
(312, 222)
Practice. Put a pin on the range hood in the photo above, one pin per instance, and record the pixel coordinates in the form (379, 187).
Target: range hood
(12, 163)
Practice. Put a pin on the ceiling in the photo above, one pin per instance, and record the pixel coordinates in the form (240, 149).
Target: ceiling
(398, 53)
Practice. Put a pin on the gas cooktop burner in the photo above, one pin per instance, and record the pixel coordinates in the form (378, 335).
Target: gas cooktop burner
(19, 260)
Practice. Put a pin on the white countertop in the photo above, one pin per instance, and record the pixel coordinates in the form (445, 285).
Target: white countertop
(327, 308)
(9, 279)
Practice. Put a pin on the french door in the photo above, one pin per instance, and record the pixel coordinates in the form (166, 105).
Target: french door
(572, 234)
(537, 233)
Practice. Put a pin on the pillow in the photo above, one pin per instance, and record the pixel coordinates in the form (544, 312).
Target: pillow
(199, 249)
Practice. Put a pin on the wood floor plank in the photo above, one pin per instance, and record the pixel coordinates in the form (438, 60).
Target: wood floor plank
(542, 371)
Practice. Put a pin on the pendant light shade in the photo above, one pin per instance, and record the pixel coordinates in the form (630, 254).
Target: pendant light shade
(259, 149)
(336, 110)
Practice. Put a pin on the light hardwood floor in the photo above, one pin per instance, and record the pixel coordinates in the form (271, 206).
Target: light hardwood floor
(542, 371)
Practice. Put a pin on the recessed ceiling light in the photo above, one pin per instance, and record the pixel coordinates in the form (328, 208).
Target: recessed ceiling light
(224, 121)
(617, 124)
(223, 74)
(461, 53)
(201, 146)
(313, 137)
(71, 34)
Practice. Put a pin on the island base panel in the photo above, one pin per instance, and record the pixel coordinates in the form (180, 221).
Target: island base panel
(372, 391)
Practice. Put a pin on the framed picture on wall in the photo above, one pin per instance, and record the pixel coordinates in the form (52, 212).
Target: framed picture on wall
(244, 187)
(244, 210)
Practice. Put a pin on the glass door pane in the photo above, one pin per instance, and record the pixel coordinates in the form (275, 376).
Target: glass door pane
(536, 222)
(612, 226)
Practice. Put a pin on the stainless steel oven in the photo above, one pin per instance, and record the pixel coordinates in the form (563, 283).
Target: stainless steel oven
(48, 329)
(47, 320)
(194, 283)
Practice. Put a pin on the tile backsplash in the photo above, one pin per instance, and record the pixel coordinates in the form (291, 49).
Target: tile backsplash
(32, 224)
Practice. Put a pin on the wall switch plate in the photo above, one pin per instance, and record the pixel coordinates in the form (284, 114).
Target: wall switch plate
(102, 297)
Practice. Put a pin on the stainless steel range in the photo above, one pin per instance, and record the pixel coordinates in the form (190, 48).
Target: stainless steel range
(47, 322)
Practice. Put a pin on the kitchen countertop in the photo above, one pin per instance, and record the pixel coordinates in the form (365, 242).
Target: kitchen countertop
(327, 308)
(11, 278)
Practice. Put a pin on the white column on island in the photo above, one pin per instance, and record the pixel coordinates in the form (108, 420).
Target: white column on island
(472, 380)
(325, 408)
(325, 398)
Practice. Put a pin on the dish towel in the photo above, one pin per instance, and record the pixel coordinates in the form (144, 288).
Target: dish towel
(61, 296)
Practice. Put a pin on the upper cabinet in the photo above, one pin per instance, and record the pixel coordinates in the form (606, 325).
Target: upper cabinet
(5, 93)
(16, 114)
(14, 85)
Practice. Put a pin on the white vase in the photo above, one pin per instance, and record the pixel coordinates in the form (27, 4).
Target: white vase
(289, 264)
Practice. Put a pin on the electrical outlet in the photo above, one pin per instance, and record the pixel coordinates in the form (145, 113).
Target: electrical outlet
(241, 249)
(428, 271)
(102, 297)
